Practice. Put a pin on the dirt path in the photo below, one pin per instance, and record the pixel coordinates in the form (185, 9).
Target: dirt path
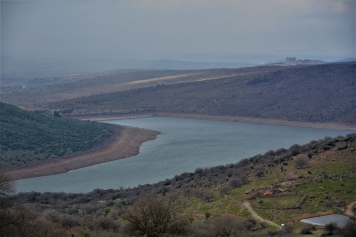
(125, 142)
(256, 216)
(349, 211)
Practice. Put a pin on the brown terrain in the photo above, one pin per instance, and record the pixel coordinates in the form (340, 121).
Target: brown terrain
(256, 216)
(125, 142)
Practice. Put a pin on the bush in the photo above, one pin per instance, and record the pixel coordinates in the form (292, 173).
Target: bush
(260, 173)
(307, 229)
(272, 232)
(226, 226)
(349, 229)
(331, 227)
(154, 215)
(235, 183)
(289, 228)
(225, 189)
(107, 223)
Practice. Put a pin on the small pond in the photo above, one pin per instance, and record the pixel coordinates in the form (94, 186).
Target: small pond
(323, 220)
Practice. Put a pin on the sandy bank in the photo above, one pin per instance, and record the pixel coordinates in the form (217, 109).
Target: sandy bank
(125, 142)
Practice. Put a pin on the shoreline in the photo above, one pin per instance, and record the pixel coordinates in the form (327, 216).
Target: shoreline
(308, 216)
(125, 142)
(331, 126)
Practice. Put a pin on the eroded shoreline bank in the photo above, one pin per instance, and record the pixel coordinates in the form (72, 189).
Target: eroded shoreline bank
(125, 142)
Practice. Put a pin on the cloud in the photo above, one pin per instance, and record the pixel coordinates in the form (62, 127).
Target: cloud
(161, 28)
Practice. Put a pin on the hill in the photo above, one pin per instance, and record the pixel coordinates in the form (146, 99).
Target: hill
(211, 198)
(111, 81)
(317, 94)
(28, 136)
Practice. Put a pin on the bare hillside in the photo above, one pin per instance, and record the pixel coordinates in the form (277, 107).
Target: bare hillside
(113, 81)
(320, 94)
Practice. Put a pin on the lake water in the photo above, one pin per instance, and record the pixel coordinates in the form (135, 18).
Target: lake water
(183, 146)
(341, 220)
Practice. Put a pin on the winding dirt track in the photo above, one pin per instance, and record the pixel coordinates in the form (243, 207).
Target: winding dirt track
(349, 209)
(256, 216)
(125, 142)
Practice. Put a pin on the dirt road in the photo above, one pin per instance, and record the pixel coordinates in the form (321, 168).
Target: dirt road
(256, 216)
(349, 211)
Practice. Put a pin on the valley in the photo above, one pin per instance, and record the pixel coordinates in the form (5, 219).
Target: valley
(306, 94)
(257, 194)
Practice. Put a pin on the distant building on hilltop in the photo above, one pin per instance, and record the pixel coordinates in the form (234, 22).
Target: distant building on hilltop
(291, 59)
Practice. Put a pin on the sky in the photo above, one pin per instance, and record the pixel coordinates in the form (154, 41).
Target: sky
(190, 30)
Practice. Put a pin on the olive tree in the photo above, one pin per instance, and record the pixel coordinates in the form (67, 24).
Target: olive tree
(301, 162)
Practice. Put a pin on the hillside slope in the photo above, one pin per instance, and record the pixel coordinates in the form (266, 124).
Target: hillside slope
(113, 81)
(318, 94)
(27, 136)
(325, 183)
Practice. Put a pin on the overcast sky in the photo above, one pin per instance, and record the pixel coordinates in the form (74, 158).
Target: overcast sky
(179, 29)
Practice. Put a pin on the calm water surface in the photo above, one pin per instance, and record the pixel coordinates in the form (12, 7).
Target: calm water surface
(341, 220)
(183, 146)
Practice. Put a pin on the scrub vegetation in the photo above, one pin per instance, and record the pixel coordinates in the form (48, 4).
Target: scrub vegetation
(26, 136)
(208, 201)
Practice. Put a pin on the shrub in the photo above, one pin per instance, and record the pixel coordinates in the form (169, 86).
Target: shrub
(331, 227)
(270, 165)
(226, 226)
(260, 173)
(154, 215)
(289, 228)
(307, 229)
(349, 229)
(225, 189)
(235, 183)
(272, 232)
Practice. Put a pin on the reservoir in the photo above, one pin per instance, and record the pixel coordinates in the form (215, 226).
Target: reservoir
(182, 146)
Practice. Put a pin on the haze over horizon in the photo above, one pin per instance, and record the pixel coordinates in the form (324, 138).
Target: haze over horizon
(256, 31)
